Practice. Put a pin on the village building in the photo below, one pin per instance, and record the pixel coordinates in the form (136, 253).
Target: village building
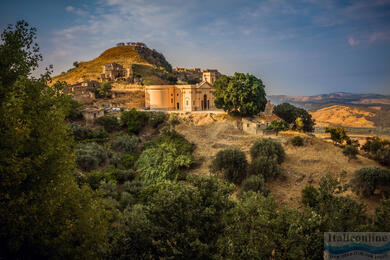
(83, 91)
(187, 98)
(91, 113)
(115, 72)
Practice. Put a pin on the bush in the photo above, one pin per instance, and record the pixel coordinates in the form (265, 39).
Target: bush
(350, 151)
(266, 167)
(378, 149)
(110, 123)
(299, 117)
(368, 179)
(90, 155)
(125, 144)
(278, 125)
(297, 141)
(164, 158)
(310, 196)
(268, 148)
(134, 120)
(74, 110)
(232, 163)
(94, 178)
(254, 183)
(157, 119)
(82, 133)
(337, 134)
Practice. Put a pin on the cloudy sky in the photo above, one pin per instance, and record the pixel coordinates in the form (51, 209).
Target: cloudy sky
(297, 47)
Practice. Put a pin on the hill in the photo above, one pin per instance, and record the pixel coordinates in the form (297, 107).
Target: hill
(343, 115)
(148, 64)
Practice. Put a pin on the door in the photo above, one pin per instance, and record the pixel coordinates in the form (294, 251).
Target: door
(178, 105)
(204, 102)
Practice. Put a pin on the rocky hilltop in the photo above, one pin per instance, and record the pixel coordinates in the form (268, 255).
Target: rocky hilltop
(146, 63)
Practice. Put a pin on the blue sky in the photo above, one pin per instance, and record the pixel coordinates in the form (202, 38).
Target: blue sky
(297, 47)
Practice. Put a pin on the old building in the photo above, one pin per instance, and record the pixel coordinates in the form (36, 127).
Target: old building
(210, 76)
(115, 72)
(91, 113)
(84, 91)
(187, 98)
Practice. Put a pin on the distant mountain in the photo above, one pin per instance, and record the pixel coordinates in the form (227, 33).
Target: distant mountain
(146, 63)
(341, 108)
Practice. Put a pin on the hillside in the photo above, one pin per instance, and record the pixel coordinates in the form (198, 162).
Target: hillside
(304, 165)
(146, 63)
(343, 115)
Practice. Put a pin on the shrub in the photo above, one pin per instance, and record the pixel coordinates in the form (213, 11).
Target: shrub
(82, 133)
(337, 134)
(268, 148)
(232, 163)
(368, 179)
(278, 125)
(299, 117)
(350, 151)
(128, 160)
(254, 183)
(310, 196)
(267, 167)
(297, 141)
(383, 156)
(378, 149)
(90, 155)
(110, 123)
(164, 158)
(157, 119)
(74, 110)
(125, 144)
(94, 178)
(134, 120)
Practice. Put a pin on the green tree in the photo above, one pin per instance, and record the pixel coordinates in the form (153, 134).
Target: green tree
(232, 164)
(367, 179)
(75, 64)
(290, 114)
(43, 212)
(337, 134)
(350, 151)
(110, 123)
(104, 90)
(269, 149)
(278, 125)
(134, 120)
(241, 94)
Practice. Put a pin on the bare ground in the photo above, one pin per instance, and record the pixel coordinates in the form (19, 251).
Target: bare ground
(303, 165)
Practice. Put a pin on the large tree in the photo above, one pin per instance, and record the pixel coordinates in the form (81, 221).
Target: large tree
(43, 213)
(241, 94)
(298, 117)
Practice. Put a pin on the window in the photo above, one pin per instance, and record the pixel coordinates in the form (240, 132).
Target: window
(171, 100)
(186, 102)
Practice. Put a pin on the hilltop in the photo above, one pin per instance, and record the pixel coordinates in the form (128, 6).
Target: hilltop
(148, 64)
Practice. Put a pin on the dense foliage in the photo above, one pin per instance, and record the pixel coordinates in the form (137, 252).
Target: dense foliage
(350, 151)
(298, 117)
(337, 134)
(255, 183)
(134, 120)
(241, 94)
(104, 90)
(43, 212)
(378, 149)
(297, 141)
(85, 133)
(368, 179)
(269, 149)
(232, 164)
(110, 123)
(164, 158)
(278, 125)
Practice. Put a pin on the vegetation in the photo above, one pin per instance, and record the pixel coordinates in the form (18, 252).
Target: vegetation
(350, 151)
(266, 167)
(297, 141)
(125, 144)
(85, 133)
(157, 119)
(232, 164)
(104, 90)
(43, 212)
(269, 149)
(298, 117)
(378, 149)
(165, 158)
(134, 120)
(110, 123)
(368, 179)
(278, 125)
(241, 94)
(90, 155)
(255, 183)
(337, 134)
(74, 111)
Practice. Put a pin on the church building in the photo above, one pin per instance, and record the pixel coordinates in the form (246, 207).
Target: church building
(187, 98)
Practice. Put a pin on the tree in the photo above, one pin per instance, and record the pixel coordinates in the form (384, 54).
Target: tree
(269, 149)
(266, 167)
(350, 151)
(43, 212)
(104, 90)
(134, 120)
(367, 179)
(75, 64)
(337, 134)
(298, 117)
(110, 123)
(232, 164)
(242, 94)
(255, 183)
(278, 125)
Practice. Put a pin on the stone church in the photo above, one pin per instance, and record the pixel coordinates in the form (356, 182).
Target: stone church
(187, 98)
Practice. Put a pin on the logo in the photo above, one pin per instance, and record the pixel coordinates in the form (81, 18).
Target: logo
(356, 245)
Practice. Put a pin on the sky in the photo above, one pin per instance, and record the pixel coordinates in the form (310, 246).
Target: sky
(297, 47)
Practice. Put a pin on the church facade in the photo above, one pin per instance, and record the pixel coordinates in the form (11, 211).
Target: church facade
(186, 98)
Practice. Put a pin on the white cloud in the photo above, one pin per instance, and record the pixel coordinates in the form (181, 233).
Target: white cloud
(379, 36)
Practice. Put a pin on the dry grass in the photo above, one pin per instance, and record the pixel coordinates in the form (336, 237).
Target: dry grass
(304, 165)
(124, 55)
